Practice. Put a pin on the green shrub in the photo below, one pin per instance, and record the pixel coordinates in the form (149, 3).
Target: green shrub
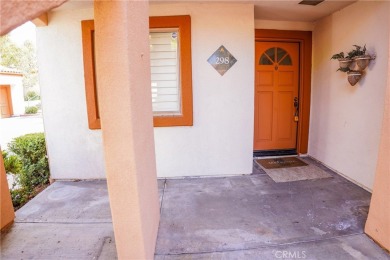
(31, 110)
(20, 197)
(31, 95)
(12, 163)
(31, 150)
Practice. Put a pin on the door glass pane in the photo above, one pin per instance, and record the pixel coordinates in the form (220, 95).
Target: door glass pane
(280, 54)
(264, 60)
(271, 53)
(286, 61)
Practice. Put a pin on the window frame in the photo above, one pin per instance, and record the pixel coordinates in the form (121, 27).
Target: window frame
(183, 24)
(88, 28)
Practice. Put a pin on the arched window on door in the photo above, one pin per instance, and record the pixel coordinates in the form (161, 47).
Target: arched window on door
(275, 56)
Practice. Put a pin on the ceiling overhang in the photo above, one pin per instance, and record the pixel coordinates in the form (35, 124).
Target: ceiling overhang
(277, 10)
(291, 10)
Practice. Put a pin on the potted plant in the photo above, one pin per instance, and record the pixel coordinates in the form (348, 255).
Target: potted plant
(344, 62)
(359, 55)
(358, 51)
(354, 76)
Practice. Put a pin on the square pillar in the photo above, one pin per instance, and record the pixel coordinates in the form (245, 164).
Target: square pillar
(7, 213)
(123, 85)
(378, 222)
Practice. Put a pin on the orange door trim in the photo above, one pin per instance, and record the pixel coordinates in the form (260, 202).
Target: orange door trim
(304, 38)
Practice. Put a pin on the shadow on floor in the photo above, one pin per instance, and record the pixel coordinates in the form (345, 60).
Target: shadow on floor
(243, 217)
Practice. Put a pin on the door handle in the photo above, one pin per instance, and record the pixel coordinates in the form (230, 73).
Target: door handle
(296, 105)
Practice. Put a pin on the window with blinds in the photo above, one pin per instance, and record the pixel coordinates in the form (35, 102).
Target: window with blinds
(171, 71)
(165, 74)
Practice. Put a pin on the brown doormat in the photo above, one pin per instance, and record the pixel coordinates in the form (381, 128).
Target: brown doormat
(277, 163)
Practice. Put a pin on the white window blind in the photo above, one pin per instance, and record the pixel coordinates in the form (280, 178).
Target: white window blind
(164, 63)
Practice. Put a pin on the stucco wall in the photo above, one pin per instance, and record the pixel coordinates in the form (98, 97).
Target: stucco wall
(219, 142)
(16, 84)
(17, 99)
(284, 25)
(75, 152)
(345, 120)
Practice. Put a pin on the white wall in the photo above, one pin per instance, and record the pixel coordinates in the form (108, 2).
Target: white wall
(75, 151)
(346, 121)
(16, 84)
(221, 140)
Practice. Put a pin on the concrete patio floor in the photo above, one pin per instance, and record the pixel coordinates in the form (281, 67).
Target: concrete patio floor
(243, 217)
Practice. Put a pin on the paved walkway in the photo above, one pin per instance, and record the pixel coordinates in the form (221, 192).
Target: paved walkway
(69, 220)
(243, 217)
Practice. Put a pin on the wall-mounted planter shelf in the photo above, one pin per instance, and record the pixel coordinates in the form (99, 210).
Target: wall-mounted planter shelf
(345, 63)
(354, 77)
(354, 64)
(363, 61)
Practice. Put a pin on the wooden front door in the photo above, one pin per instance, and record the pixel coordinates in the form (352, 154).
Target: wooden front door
(276, 95)
(5, 102)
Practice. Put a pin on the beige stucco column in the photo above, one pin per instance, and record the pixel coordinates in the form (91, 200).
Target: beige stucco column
(378, 222)
(123, 81)
(7, 210)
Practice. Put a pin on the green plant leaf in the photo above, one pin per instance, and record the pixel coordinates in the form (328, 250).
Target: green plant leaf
(337, 56)
(344, 69)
